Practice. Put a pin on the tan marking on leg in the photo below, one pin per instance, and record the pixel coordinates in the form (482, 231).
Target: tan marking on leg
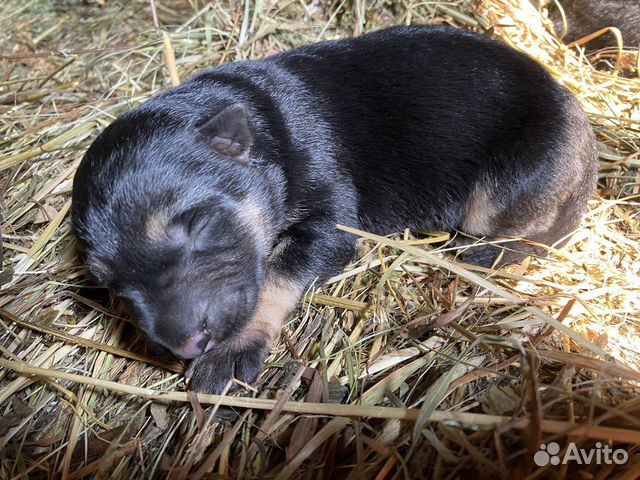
(156, 226)
(480, 210)
(279, 298)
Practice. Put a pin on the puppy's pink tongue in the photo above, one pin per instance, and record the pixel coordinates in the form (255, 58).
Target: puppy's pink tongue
(195, 346)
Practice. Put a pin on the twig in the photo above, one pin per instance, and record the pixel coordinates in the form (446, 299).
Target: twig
(620, 435)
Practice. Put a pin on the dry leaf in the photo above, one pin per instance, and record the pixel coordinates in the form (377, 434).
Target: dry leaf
(160, 416)
(45, 214)
(499, 400)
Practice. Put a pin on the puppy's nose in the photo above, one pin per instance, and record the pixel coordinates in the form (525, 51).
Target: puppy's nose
(197, 345)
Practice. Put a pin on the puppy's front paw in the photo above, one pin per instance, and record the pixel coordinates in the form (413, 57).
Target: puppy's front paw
(209, 373)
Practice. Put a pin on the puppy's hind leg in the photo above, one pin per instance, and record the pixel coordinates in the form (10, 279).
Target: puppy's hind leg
(484, 253)
(536, 189)
(547, 215)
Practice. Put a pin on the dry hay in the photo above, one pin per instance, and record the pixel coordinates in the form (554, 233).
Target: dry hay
(483, 366)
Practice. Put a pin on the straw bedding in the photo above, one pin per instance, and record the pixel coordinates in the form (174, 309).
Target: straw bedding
(407, 365)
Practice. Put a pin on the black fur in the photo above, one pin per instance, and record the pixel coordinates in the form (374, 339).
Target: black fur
(419, 127)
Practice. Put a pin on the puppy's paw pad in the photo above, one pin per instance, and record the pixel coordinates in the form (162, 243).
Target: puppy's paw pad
(211, 372)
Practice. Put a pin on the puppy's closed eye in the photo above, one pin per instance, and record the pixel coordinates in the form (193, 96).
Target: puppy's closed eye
(202, 230)
(187, 227)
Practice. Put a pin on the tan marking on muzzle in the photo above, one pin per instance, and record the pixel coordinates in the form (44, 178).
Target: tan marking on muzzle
(480, 210)
(278, 299)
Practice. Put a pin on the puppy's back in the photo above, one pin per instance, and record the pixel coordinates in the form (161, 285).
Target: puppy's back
(421, 113)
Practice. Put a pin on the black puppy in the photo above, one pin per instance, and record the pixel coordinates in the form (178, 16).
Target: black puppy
(213, 206)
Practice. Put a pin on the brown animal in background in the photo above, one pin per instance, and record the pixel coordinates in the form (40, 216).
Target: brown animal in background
(588, 16)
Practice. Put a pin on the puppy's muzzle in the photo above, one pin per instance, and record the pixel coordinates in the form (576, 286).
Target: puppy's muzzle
(195, 346)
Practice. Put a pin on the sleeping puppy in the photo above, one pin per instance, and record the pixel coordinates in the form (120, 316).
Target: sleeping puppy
(213, 206)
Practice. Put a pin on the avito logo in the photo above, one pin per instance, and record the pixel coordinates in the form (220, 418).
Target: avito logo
(600, 455)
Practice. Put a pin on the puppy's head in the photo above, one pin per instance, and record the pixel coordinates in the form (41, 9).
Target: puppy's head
(165, 208)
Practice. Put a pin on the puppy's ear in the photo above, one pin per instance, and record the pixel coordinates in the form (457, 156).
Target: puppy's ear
(228, 133)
